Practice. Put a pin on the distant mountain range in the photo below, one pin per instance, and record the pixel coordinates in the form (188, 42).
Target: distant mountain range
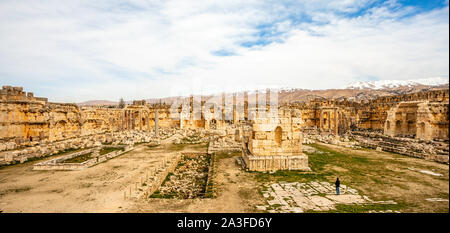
(97, 103)
(386, 84)
(356, 91)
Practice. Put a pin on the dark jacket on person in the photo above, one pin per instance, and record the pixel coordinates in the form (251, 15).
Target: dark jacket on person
(338, 183)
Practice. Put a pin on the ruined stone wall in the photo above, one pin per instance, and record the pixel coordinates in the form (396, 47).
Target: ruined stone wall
(165, 120)
(373, 115)
(421, 120)
(64, 121)
(421, 115)
(96, 120)
(275, 143)
(276, 136)
(23, 116)
(52, 121)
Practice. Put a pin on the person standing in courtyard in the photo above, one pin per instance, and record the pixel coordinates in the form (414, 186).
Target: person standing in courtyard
(337, 183)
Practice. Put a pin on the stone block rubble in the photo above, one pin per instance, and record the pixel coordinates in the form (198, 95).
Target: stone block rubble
(434, 150)
(188, 180)
(45, 148)
(413, 124)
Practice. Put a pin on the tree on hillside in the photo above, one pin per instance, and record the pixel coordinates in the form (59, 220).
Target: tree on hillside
(121, 103)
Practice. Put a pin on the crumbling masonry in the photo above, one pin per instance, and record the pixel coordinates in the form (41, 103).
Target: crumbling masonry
(412, 124)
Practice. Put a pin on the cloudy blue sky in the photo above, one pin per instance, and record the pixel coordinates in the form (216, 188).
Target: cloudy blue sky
(72, 51)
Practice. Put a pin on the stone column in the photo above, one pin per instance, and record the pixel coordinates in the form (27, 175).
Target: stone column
(223, 107)
(156, 121)
(245, 105)
(335, 122)
(320, 119)
(235, 120)
(140, 119)
(257, 104)
(329, 120)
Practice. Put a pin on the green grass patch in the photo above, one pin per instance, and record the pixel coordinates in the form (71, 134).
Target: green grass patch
(79, 158)
(176, 147)
(380, 178)
(107, 150)
(152, 145)
(225, 155)
(63, 152)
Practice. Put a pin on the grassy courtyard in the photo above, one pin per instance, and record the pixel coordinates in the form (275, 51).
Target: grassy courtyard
(378, 175)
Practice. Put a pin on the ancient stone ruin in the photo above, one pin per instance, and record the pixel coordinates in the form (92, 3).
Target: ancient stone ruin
(410, 124)
(276, 144)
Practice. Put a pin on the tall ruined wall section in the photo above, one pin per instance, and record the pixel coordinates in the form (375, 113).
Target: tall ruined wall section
(423, 120)
(22, 120)
(373, 115)
(165, 119)
(422, 115)
(330, 116)
(22, 114)
(95, 120)
(25, 118)
(63, 121)
(275, 143)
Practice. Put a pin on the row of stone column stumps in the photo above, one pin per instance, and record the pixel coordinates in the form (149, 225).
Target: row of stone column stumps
(154, 177)
(210, 185)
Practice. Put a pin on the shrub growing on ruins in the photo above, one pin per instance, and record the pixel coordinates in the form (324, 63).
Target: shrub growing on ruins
(121, 103)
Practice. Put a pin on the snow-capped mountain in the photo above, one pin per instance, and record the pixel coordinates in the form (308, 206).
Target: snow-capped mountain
(381, 84)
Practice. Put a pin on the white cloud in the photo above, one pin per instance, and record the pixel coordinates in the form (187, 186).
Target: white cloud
(71, 51)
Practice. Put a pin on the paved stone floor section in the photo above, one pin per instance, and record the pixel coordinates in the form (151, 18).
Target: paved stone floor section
(298, 197)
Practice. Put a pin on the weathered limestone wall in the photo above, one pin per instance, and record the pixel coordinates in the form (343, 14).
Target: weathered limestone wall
(25, 119)
(421, 115)
(165, 119)
(276, 143)
(418, 116)
(421, 120)
(100, 120)
(276, 136)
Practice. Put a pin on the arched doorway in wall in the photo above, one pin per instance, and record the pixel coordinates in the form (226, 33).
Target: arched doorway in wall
(278, 135)
(411, 129)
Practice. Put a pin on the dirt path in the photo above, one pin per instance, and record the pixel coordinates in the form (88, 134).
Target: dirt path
(97, 189)
(101, 188)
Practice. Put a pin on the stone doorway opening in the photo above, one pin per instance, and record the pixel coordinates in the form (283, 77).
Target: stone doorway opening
(278, 135)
